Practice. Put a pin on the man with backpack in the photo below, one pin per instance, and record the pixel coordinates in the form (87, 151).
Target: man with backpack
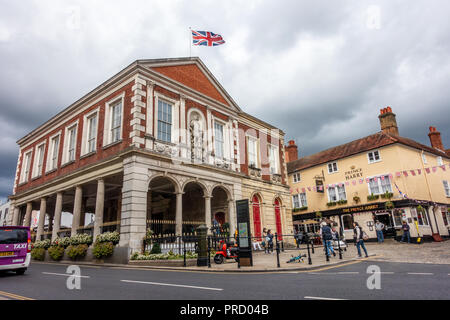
(327, 237)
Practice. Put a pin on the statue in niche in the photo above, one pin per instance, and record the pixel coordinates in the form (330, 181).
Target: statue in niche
(196, 135)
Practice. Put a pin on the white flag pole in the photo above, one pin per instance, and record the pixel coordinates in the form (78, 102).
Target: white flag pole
(190, 41)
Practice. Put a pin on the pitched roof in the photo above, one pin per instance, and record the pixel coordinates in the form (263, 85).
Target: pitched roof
(374, 141)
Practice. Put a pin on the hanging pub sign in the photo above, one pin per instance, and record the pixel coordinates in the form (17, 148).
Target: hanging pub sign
(319, 186)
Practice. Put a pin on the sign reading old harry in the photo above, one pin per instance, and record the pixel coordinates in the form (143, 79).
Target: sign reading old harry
(353, 173)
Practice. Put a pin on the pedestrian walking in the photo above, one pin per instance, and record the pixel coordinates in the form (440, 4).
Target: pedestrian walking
(327, 238)
(358, 235)
(297, 237)
(379, 227)
(269, 241)
(405, 228)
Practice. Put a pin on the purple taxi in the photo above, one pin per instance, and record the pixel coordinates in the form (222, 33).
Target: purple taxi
(15, 247)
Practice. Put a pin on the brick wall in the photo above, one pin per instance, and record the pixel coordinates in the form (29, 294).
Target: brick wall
(101, 153)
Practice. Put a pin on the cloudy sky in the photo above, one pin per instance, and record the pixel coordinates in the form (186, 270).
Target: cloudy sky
(319, 70)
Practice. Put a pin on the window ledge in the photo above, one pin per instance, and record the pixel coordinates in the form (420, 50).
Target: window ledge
(88, 154)
(164, 142)
(51, 171)
(22, 183)
(37, 177)
(67, 163)
(112, 144)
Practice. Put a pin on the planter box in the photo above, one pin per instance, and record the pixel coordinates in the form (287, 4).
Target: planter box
(164, 263)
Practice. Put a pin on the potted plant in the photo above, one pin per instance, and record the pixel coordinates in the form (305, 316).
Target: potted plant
(356, 199)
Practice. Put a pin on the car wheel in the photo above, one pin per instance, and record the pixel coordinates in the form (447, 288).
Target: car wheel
(21, 271)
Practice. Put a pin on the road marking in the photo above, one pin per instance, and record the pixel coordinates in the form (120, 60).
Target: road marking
(322, 298)
(65, 274)
(348, 272)
(322, 273)
(421, 273)
(14, 296)
(172, 285)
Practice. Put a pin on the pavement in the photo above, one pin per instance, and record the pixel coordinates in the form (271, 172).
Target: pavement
(389, 251)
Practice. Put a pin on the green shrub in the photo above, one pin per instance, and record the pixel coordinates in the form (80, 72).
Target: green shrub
(163, 256)
(45, 244)
(77, 251)
(155, 248)
(103, 249)
(38, 254)
(56, 252)
(81, 239)
(113, 237)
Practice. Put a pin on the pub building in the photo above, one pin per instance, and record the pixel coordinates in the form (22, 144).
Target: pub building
(383, 177)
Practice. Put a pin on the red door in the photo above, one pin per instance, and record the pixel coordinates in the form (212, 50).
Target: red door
(256, 217)
(278, 219)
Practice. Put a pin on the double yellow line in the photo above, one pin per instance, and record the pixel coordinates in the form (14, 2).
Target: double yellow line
(13, 296)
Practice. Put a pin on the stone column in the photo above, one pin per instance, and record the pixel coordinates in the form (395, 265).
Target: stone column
(15, 216)
(133, 222)
(42, 212)
(57, 219)
(99, 207)
(28, 214)
(208, 213)
(77, 210)
(232, 215)
(179, 214)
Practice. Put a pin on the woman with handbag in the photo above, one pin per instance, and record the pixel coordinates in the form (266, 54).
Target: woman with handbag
(359, 235)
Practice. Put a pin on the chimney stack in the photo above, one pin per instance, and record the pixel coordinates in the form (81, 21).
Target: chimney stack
(435, 139)
(291, 153)
(387, 121)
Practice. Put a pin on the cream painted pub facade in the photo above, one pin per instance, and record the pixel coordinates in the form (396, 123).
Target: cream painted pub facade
(382, 177)
(160, 145)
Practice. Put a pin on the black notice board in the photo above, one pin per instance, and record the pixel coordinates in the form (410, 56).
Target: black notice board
(243, 226)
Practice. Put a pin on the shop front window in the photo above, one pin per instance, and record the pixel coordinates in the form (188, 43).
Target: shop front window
(347, 222)
(398, 217)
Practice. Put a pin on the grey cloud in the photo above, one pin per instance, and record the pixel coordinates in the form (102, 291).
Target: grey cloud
(314, 69)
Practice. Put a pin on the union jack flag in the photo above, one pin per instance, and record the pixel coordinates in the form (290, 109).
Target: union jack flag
(206, 38)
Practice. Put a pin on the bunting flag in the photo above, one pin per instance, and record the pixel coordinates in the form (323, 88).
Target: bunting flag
(434, 169)
(348, 183)
(443, 167)
(398, 174)
(309, 188)
(391, 176)
(427, 170)
(361, 181)
(303, 190)
(354, 182)
(321, 188)
(314, 188)
(419, 171)
(401, 193)
(405, 173)
(413, 172)
(382, 178)
(367, 180)
(375, 179)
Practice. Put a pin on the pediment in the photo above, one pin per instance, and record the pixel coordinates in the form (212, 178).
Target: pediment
(192, 73)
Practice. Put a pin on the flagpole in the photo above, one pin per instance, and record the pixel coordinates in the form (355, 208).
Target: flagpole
(190, 42)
